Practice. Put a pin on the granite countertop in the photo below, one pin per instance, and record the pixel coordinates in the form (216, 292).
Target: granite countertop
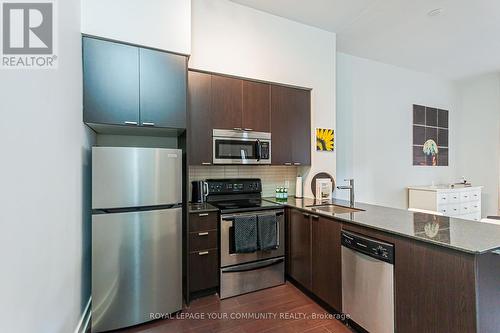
(462, 235)
(201, 208)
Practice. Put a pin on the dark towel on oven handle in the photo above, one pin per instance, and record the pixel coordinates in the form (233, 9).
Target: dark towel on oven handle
(245, 233)
(268, 232)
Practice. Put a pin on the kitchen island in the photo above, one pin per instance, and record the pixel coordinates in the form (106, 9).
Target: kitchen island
(446, 270)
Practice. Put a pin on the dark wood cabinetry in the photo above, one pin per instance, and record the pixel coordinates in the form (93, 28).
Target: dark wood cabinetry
(203, 254)
(110, 82)
(314, 255)
(291, 125)
(326, 261)
(226, 102)
(133, 86)
(256, 109)
(300, 248)
(222, 102)
(162, 89)
(200, 120)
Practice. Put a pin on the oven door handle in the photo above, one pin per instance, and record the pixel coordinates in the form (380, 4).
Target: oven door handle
(253, 266)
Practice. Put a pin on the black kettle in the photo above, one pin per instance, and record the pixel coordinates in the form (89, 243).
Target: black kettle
(199, 191)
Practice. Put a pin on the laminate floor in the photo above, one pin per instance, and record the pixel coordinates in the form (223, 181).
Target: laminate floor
(275, 310)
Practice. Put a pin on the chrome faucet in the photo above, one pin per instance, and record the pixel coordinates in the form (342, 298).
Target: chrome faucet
(350, 187)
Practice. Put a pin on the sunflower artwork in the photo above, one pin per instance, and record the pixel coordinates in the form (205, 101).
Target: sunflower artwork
(325, 139)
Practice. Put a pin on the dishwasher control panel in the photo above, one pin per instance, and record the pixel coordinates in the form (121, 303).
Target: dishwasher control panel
(371, 247)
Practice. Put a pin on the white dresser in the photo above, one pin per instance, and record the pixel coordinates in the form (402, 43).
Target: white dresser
(462, 202)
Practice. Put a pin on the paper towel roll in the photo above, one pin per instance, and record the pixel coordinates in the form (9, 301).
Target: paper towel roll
(298, 187)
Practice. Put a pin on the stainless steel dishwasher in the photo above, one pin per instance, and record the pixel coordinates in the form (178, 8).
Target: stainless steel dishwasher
(368, 282)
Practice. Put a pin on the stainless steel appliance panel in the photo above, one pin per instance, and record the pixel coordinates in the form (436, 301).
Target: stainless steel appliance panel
(250, 277)
(368, 291)
(132, 177)
(241, 147)
(136, 267)
(228, 258)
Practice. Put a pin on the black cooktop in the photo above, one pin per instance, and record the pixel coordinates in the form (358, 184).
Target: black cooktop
(244, 205)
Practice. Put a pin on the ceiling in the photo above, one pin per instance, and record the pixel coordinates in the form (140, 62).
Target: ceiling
(462, 41)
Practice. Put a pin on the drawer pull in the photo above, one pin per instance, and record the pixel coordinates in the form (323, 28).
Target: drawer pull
(288, 163)
(315, 217)
(203, 214)
(148, 124)
(206, 163)
(203, 234)
(204, 253)
(466, 196)
(296, 164)
(306, 215)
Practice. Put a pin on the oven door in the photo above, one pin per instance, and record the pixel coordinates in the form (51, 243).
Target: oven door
(228, 255)
(235, 147)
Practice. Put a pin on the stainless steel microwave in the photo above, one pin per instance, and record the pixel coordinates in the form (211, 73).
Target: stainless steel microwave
(241, 147)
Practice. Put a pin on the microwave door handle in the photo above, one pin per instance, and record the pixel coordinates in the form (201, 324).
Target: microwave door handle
(258, 150)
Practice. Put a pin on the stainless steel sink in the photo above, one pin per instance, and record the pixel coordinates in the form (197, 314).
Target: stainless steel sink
(336, 209)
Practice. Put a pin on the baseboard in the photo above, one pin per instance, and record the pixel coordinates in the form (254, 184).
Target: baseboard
(84, 323)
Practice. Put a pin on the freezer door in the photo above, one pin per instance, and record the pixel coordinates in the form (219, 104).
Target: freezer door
(136, 267)
(133, 177)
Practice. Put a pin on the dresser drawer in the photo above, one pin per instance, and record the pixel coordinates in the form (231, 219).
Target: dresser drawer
(454, 197)
(442, 198)
(466, 196)
(202, 240)
(202, 221)
(203, 270)
(476, 195)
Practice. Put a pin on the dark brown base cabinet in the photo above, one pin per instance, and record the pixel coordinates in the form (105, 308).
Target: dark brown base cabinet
(203, 255)
(314, 256)
(437, 290)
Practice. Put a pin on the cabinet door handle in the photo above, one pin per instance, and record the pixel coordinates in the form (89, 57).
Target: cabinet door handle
(206, 163)
(131, 123)
(238, 129)
(203, 234)
(248, 129)
(204, 253)
(296, 163)
(148, 124)
(288, 163)
(306, 215)
(316, 217)
(203, 214)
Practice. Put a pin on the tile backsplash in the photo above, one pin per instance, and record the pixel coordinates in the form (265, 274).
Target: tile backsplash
(271, 176)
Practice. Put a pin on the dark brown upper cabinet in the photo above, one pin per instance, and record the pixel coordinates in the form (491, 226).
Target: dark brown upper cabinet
(129, 85)
(226, 103)
(326, 261)
(256, 110)
(290, 126)
(200, 123)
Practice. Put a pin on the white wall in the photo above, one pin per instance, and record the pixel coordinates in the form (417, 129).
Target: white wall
(44, 177)
(479, 139)
(374, 128)
(233, 39)
(162, 24)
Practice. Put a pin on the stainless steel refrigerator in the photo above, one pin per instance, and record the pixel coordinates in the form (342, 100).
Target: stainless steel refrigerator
(136, 235)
